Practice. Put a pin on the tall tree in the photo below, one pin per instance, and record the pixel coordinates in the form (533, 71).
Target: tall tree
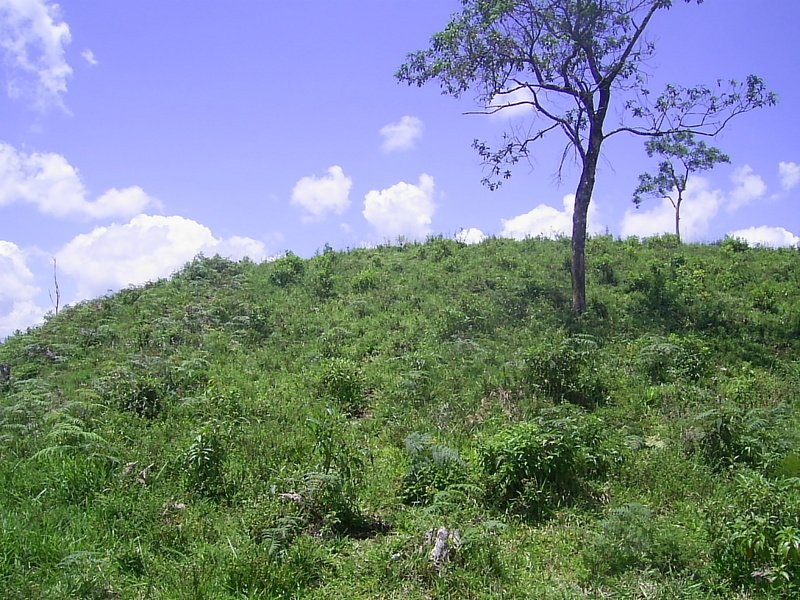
(575, 62)
(683, 154)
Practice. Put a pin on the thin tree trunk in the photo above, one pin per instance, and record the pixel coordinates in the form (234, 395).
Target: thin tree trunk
(678, 216)
(583, 197)
(579, 255)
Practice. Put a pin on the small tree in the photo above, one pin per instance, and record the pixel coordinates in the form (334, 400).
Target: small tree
(683, 155)
(575, 62)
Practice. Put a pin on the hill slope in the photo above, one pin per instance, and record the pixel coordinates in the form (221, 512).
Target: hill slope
(413, 421)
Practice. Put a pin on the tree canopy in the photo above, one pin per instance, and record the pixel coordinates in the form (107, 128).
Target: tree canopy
(575, 62)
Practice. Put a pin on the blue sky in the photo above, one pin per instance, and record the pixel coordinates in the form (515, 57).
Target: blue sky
(138, 133)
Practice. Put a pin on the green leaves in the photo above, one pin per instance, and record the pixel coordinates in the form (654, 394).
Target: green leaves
(535, 467)
(757, 535)
(432, 468)
(203, 464)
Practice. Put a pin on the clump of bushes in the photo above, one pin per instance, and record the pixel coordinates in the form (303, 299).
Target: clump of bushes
(342, 383)
(534, 467)
(632, 537)
(568, 370)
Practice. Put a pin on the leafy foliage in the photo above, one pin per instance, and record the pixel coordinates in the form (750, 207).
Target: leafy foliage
(757, 535)
(568, 370)
(432, 468)
(631, 537)
(204, 461)
(535, 467)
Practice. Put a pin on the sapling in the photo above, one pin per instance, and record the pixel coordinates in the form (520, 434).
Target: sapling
(683, 155)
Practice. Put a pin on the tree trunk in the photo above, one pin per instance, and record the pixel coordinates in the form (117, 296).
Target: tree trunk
(583, 196)
(678, 216)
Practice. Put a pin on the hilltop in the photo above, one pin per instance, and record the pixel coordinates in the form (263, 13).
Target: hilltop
(419, 420)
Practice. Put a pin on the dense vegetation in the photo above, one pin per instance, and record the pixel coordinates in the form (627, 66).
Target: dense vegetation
(318, 428)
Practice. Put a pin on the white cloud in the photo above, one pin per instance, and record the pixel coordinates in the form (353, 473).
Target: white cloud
(33, 38)
(322, 196)
(546, 221)
(18, 308)
(55, 187)
(402, 210)
(790, 174)
(766, 236)
(512, 104)
(470, 236)
(129, 201)
(749, 187)
(144, 249)
(89, 57)
(401, 135)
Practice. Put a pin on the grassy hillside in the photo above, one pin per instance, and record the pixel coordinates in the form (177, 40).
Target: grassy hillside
(311, 428)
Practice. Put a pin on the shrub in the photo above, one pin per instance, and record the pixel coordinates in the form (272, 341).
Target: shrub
(142, 395)
(203, 464)
(342, 382)
(287, 270)
(432, 468)
(568, 370)
(605, 267)
(368, 279)
(732, 245)
(632, 537)
(730, 434)
(534, 467)
(664, 360)
(756, 533)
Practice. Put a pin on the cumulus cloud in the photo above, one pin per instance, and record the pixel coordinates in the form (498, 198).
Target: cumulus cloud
(89, 57)
(546, 221)
(774, 237)
(18, 291)
(55, 187)
(33, 38)
(471, 235)
(402, 210)
(319, 197)
(401, 135)
(748, 187)
(144, 249)
(790, 174)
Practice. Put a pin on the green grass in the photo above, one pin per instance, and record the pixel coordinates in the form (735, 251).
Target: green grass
(301, 428)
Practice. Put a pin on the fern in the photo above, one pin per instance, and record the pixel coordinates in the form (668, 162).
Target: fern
(69, 435)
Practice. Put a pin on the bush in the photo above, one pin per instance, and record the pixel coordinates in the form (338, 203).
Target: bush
(664, 360)
(729, 435)
(568, 370)
(632, 537)
(432, 468)
(756, 533)
(534, 467)
(203, 462)
(342, 382)
(287, 270)
(142, 395)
